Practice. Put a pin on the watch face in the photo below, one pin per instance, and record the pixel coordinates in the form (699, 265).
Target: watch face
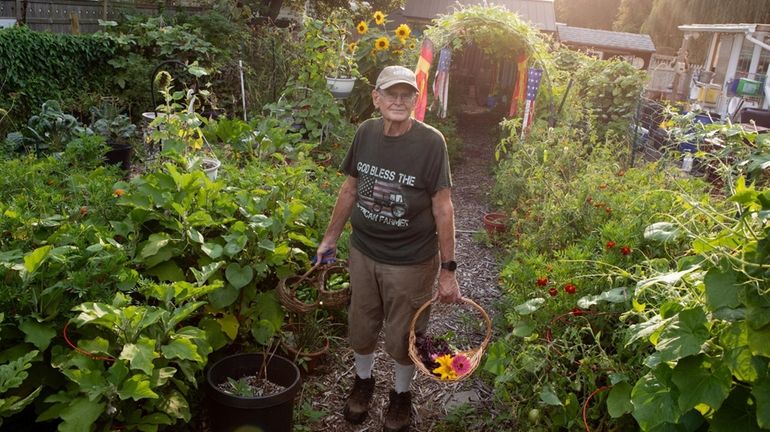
(449, 265)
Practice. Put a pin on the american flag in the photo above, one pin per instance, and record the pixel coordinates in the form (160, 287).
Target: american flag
(441, 82)
(534, 76)
(380, 196)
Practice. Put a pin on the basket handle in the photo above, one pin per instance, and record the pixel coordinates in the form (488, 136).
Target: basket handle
(307, 273)
(487, 321)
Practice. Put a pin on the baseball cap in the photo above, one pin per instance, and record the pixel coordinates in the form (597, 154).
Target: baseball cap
(392, 75)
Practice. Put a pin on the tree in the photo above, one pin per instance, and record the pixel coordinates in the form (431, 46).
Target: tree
(631, 15)
(596, 14)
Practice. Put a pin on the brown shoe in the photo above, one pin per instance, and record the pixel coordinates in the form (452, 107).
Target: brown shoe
(399, 413)
(357, 405)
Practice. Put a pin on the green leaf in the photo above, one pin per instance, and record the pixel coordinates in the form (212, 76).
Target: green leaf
(213, 250)
(36, 333)
(615, 295)
(181, 348)
(167, 271)
(117, 373)
(653, 402)
(195, 235)
(619, 399)
(224, 296)
(529, 306)
(175, 405)
(662, 232)
(548, 396)
(140, 355)
(153, 244)
(34, 259)
(761, 392)
(267, 245)
(498, 358)
(721, 288)
(701, 381)
(737, 413)
(203, 275)
(684, 336)
(137, 387)
(239, 276)
(161, 375)
(181, 314)
(80, 415)
(759, 341)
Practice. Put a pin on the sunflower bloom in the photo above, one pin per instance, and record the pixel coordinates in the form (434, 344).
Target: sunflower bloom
(403, 31)
(412, 46)
(379, 18)
(382, 43)
(445, 370)
(461, 365)
(362, 28)
(352, 47)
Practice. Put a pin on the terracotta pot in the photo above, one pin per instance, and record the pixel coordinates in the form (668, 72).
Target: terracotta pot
(308, 362)
(495, 223)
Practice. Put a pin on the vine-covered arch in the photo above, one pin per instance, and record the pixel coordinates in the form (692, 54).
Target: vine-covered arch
(496, 31)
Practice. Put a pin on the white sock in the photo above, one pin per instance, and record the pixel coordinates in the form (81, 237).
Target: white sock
(404, 375)
(364, 363)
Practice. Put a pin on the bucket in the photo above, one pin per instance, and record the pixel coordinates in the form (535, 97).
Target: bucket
(211, 167)
(230, 413)
(120, 155)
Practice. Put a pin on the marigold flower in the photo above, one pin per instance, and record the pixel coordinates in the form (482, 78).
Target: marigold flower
(379, 18)
(553, 292)
(570, 288)
(445, 370)
(625, 250)
(362, 28)
(119, 192)
(543, 281)
(381, 43)
(403, 31)
(576, 311)
(610, 244)
(461, 365)
(603, 186)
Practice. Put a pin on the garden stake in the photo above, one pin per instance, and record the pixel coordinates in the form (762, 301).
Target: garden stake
(585, 405)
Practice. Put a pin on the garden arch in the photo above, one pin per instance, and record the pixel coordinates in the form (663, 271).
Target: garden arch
(499, 34)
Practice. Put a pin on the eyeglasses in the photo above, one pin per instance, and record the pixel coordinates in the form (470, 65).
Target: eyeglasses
(400, 97)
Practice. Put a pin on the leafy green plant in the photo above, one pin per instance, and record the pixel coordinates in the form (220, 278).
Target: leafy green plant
(707, 321)
(134, 366)
(51, 129)
(13, 373)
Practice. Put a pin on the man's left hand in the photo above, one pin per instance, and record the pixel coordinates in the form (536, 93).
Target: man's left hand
(448, 288)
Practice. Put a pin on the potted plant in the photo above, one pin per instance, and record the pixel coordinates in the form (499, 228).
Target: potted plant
(252, 390)
(340, 75)
(305, 339)
(118, 130)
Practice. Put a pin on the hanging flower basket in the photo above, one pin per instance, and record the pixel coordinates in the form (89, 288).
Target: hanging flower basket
(341, 88)
(453, 366)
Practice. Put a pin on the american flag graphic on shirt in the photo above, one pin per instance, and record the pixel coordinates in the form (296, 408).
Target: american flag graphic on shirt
(381, 197)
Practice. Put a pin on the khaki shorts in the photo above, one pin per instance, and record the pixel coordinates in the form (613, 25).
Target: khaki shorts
(390, 295)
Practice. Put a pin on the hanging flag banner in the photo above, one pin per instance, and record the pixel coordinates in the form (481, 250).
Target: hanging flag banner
(441, 81)
(533, 84)
(521, 84)
(421, 72)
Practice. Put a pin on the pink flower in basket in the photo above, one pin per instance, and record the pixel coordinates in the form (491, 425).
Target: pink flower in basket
(461, 365)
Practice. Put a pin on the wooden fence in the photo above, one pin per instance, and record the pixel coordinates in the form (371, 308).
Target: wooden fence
(71, 16)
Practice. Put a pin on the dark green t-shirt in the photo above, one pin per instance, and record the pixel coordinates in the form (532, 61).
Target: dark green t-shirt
(397, 176)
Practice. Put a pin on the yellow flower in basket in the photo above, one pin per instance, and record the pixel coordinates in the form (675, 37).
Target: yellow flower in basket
(445, 369)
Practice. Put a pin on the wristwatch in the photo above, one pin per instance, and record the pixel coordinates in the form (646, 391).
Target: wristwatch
(449, 265)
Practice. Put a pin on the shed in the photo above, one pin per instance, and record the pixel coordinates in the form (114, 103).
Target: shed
(605, 44)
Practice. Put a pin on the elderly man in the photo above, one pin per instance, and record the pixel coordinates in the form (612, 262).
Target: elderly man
(397, 197)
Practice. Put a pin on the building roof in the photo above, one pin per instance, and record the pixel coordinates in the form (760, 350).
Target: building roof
(605, 39)
(725, 28)
(540, 13)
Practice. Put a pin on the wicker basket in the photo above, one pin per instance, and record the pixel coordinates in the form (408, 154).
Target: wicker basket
(473, 355)
(287, 292)
(333, 299)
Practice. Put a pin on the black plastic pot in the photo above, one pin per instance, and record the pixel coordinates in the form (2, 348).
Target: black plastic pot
(120, 155)
(273, 413)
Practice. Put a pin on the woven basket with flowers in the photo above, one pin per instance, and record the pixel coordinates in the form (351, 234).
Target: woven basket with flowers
(441, 359)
